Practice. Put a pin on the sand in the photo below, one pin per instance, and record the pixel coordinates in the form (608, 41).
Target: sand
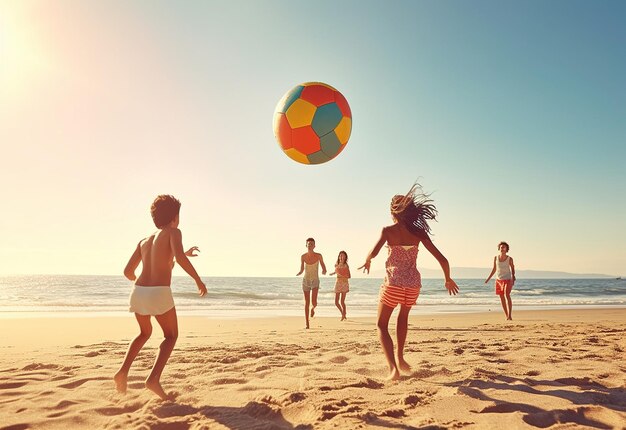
(546, 369)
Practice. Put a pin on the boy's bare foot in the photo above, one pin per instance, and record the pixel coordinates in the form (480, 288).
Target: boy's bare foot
(312, 312)
(121, 380)
(155, 387)
(394, 375)
(404, 366)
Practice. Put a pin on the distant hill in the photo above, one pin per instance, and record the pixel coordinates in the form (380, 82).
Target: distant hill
(482, 273)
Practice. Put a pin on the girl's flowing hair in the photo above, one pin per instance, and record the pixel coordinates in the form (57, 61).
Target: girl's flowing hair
(414, 210)
(344, 253)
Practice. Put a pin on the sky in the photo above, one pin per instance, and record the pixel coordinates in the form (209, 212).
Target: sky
(511, 113)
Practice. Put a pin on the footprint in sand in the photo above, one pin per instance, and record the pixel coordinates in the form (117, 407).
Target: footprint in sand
(411, 400)
(294, 398)
(331, 410)
(334, 406)
(363, 371)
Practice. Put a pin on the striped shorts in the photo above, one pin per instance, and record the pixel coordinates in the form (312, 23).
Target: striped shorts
(393, 296)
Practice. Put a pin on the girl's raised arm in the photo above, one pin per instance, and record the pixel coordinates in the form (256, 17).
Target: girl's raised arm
(374, 252)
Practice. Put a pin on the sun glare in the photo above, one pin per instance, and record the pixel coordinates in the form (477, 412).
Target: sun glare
(21, 59)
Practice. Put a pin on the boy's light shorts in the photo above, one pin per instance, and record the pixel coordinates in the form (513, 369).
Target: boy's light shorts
(502, 285)
(393, 296)
(151, 300)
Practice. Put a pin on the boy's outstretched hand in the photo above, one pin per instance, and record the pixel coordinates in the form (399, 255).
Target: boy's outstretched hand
(190, 251)
(452, 287)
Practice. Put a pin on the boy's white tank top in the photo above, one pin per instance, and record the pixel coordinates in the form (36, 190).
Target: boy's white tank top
(503, 269)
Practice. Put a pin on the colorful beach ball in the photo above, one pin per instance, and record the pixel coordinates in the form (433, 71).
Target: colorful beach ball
(312, 123)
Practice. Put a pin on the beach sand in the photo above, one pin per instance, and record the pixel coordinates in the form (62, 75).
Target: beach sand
(558, 369)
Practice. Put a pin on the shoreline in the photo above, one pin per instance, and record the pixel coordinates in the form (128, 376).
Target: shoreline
(324, 312)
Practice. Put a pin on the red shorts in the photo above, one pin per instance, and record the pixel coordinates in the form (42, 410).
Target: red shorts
(503, 285)
(393, 296)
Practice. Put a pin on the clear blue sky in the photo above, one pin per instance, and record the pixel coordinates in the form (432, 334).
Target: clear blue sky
(512, 113)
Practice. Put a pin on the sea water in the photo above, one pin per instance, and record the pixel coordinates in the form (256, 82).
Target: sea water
(259, 297)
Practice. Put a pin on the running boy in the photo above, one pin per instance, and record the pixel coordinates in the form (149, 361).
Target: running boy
(151, 295)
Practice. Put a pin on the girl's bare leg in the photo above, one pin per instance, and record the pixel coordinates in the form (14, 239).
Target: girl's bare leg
(384, 313)
(307, 300)
(145, 330)
(343, 305)
(402, 329)
(169, 325)
(314, 300)
(337, 295)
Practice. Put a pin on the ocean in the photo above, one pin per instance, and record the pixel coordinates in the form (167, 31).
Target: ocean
(57, 295)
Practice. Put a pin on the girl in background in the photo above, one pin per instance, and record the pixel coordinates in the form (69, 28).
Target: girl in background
(341, 285)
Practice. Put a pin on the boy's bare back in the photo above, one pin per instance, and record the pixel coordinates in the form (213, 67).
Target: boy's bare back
(157, 258)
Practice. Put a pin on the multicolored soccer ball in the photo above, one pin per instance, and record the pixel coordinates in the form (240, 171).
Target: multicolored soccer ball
(312, 123)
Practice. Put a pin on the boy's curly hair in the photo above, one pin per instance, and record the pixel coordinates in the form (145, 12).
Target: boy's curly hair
(164, 209)
(414, 210)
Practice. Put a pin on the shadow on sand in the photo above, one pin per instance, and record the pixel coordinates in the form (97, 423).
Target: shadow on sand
(254, 415)
(591, 397)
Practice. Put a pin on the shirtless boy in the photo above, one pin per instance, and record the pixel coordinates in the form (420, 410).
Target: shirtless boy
(151, 294)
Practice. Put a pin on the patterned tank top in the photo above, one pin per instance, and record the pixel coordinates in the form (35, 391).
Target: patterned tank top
(401, 267)
(343, 272)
